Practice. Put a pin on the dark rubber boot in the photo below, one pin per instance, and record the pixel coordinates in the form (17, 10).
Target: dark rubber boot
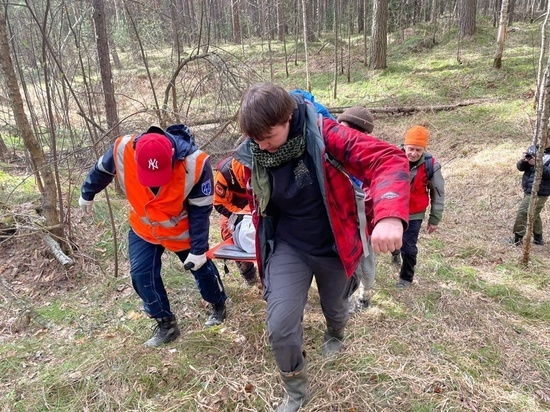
(333, 340)
(296, 391)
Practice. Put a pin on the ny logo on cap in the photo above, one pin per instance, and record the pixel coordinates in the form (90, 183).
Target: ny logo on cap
(153, 164)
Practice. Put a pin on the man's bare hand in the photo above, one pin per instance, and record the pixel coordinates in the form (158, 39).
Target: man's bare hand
(387, 235)
(431, 228)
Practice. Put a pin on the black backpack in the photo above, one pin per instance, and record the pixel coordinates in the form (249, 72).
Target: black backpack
(428, 161)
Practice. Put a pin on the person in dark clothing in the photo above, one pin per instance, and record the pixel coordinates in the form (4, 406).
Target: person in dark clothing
(168, 182)
(527, 165)
(361, 119)
(306, 214)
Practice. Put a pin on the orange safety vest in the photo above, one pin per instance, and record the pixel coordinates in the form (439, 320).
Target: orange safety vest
(161, 218)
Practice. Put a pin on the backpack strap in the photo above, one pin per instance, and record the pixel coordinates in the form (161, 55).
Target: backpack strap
(429, 163)
(317, 128)
(359, 200)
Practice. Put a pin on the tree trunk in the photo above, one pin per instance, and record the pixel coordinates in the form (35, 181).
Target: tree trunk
(543, 49)
(501, 37)
(467, 19)
(281, 22)
(105, 69)
(336, 38)
(360, 16)
(236, 21)
(42, 171)
(3, 149)
(304, 16)
(541, 137)
(379, 39)
(511, 10)
(307, 6)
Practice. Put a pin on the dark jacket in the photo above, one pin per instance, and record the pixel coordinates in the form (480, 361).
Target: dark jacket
(529, 173)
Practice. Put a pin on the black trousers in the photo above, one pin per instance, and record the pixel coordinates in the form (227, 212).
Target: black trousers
(409, 250)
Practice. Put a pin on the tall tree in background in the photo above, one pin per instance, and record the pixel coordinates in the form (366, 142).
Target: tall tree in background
(501, 37)
(45, 179)
(379, 39)
(236, 21)
(281, 23)
(365, 34)
(543, 49)
(304, 16)
(467, 18)
(105, 69)
(336, 38)
(307, 6)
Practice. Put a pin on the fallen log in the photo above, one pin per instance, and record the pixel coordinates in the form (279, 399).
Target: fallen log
(412, 109)
(56, 250)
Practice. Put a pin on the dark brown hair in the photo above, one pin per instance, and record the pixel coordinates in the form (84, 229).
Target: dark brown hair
(263, 106)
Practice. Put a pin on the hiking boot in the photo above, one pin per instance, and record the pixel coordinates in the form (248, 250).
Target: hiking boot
(518, 239)
(358, 305)
(396, 259)
(403, 284)
(538, 240)
(165, 331)
(363, 303)
(248, 272)
(217, 316)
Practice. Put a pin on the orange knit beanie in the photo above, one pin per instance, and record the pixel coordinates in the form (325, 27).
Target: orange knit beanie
(417, 136)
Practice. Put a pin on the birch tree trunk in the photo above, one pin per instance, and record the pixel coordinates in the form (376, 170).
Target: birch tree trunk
(543, 48)
(501, 37)
(541, 137)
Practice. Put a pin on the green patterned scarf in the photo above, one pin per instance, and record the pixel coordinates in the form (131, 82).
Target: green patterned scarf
(263, 160)
(291, 149)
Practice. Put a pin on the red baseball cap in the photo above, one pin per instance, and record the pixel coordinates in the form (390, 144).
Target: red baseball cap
(154, 159)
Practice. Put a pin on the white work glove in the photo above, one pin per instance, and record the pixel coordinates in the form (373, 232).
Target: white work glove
(86, 206)
(194, 262)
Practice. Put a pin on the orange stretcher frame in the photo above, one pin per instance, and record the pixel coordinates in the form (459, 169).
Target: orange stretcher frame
(212, 253)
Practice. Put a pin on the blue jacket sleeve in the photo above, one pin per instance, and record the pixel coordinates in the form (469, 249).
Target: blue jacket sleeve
(99, 176)
(199, 208)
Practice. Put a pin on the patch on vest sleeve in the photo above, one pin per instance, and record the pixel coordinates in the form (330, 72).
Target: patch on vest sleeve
(389, 195)
(207, 188)
(220, 189)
